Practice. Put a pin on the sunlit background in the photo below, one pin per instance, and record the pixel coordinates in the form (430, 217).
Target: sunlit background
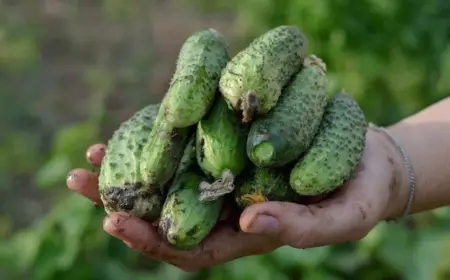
(71, 71)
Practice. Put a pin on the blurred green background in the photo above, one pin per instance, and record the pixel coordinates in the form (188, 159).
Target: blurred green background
(71, 71)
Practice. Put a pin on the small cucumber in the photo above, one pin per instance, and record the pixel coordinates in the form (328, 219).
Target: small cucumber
(335, 151)
(253, 79)
(194, 84)
(220, 149)
(188, 159)
(162, 153)
(283, 134)
(121, 183)
(185, 220)
(264, 184)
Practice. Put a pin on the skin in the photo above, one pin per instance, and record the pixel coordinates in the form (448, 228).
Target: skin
(378, 191)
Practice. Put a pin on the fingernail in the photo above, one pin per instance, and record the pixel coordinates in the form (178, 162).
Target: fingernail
(71, 175)
(264, 224)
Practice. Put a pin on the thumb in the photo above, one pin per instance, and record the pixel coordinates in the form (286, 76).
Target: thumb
(304, 226)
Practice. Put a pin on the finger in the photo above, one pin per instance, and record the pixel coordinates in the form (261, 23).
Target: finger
(84, 182)
(95, 154)
(300, 226)
(347, 216)
(215, 249)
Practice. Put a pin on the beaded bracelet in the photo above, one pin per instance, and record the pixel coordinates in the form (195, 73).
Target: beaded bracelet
(408, 165)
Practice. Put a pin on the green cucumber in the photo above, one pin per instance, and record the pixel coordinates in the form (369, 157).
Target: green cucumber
(194, 84)
(253, 79)
(162, 153)
(336, 149)
(188, 159)
(185, 220)
(220, 149)
(121, 183)
(283, 134)
(264, 184)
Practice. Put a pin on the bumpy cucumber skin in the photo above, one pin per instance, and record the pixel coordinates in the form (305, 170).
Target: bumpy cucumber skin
(162, 153)
(188, 159)
(186, 221)
(194, 84)
(335, 151)
(291, 125)
(121, 183)
(220, 141)
(253, 79)
(264, 184)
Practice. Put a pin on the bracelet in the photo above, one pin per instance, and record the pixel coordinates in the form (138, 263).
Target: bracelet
(408, 165)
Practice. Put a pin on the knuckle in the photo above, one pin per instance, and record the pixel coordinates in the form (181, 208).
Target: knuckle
(303, 239)
(303, 210)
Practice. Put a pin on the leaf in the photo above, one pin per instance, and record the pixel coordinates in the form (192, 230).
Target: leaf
(317, 274)
(167, 271)
(19, 252)
(53, 172)
(254, 269)
(114, 270)
(73, 140)
(69, 150)
(428, 253)
(396, 248)
(61, 235)
(19, 153)
(347, 262)
(291, 257)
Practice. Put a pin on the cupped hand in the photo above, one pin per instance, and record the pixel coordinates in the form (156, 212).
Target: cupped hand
(346, 215)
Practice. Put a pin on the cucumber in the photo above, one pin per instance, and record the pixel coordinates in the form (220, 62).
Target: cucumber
(121, 184)
(336, 149)
(162, 153)
(220, 149)
(185, 220)
(194, 84)
(252, 80)
(264, 184)
(188, 159)
(283, 134)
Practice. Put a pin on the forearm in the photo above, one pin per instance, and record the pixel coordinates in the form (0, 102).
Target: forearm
(425, 138)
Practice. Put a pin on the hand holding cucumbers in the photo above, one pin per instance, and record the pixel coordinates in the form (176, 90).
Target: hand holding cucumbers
(259, 130)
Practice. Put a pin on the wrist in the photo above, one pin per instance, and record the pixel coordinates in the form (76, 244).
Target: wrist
(399, 187)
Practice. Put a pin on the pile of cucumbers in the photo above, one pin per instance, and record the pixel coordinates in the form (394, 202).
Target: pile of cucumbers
(259, 126)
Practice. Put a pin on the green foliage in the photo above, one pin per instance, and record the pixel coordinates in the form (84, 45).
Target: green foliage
(392, 56)
(68, 151)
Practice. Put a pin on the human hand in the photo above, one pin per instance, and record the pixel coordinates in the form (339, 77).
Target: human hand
(346, 215)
